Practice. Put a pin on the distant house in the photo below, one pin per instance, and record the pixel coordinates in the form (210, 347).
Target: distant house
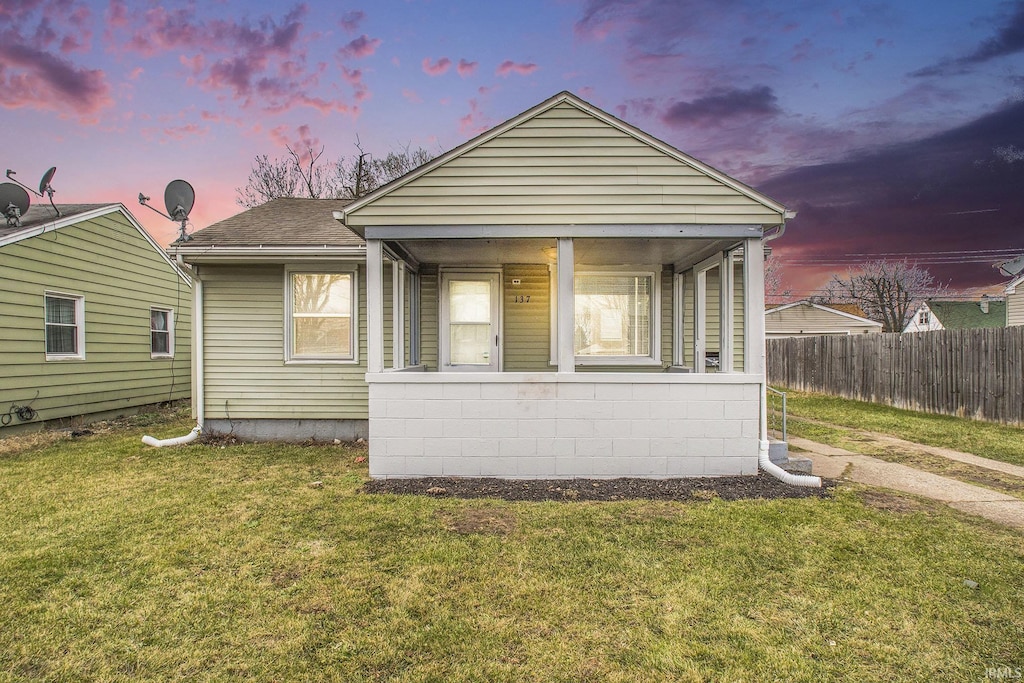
(95, 317)
(1015, 302)
(957, 315)
(807, 319)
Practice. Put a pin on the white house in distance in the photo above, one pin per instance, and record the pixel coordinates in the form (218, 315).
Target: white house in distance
(539, 302)
(1015, 301)
(958, 315)
(807, 319)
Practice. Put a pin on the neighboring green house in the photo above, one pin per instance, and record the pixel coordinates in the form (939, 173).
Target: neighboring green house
(95, 319)
(958, 315)
(541, 301)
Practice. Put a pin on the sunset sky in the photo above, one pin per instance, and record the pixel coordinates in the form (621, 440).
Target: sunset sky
(892, 127)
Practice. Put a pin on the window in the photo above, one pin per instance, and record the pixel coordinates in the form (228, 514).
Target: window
(923, 318)
(65, 329)
(161, 332)
(321, 316)
(615, 319)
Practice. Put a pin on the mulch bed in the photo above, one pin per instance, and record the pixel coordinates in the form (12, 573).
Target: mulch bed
(761, 486)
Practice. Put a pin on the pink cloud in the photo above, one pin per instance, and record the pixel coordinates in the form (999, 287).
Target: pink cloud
(40, 80)
(301, 140)
(354, 77)
(466, 69)
(350, 20)
(474, 122)
(186, 131)
(134, 74)
(436, 68)
(411, 95)
(509, 67)
(363, 46)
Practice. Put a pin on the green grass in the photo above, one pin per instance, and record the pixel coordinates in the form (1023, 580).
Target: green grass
(989, 440)
(120, 562)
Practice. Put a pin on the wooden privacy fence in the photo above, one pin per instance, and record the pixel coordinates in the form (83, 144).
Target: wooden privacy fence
(974, 373)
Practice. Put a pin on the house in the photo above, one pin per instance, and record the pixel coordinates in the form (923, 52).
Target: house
(95, 316)
(1015, 301)
(808, 319)
(958, 315)
(541, 301)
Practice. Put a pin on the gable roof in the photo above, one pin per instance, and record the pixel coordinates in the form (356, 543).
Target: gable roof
(40, 219)
(966, 315)
(282, 222)
(769, 206)
(828, 309)
(1012, 287)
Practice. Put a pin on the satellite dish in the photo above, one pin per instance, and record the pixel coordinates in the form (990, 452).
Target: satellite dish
(45, 187)
(179, 198)
(1012, 268)
(14, 203)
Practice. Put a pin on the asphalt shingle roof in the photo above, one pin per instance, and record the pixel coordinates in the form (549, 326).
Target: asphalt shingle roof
(966, 315)
(287, 221)
(42, 213)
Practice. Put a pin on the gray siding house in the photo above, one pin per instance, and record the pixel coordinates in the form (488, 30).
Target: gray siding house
(95, 318)
(1015, 302)
(545, 300)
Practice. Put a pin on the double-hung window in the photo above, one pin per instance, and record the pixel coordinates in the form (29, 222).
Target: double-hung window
(65, 326)
(616, 320)
(161, 333)
(321, 323)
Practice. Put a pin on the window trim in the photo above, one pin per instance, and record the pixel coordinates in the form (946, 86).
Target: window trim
(170, 332)
(289, 357)
(654, 357)
(79, 300)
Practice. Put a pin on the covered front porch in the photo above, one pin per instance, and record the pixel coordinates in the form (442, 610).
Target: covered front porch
(565, 351)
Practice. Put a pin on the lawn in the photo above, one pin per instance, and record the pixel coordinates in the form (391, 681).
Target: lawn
(987, 439)
(234, 561)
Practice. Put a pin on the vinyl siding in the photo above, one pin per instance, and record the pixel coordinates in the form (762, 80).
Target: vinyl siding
(245, 372)
(806, 320)
(429, 286)
(563, 166)
(121, 277)
(737, 317)
(1015, 307)
(527, 324)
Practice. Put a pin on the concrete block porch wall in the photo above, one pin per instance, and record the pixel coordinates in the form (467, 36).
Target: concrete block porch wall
(551, 426)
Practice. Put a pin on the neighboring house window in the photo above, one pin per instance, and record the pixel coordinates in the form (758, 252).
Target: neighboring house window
(321, 316)
(161, 337)
(65, 327)
(617, 317)
(923, 318)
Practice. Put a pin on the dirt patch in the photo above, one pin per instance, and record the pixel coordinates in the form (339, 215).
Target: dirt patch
(890, 502)
(478, 521)
(761, 486)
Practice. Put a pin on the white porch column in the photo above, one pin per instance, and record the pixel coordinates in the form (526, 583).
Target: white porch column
(700, 319)
(374, 306)
(725, 285)
(398, 315)
(566, 305)
(753, 307)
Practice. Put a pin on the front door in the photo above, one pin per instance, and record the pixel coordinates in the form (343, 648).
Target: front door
(470, 321)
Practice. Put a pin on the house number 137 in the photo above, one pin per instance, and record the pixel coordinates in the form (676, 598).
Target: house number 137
(520, 299)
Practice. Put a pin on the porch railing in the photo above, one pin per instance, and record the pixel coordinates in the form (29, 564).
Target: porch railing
(777, 414)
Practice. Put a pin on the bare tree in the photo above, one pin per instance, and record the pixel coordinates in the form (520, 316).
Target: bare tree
(887, 291)
(773, 279)
(312, 175)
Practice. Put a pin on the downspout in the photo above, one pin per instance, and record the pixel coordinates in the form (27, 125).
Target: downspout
(197, 321)
(762, 451)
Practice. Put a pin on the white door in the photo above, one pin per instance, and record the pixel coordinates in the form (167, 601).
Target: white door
(470, 322)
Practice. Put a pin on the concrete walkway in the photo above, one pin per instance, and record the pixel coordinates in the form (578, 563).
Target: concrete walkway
(832, 462)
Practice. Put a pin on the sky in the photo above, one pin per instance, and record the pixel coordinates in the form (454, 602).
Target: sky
(892, 127)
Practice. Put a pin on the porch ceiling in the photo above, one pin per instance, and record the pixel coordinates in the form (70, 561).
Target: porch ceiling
(588, 251)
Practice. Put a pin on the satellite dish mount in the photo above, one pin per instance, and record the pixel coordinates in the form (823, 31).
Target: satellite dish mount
(44, 186)
(179, 198)
(14, 203)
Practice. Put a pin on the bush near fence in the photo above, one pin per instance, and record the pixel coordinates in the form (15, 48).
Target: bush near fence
(973, 373)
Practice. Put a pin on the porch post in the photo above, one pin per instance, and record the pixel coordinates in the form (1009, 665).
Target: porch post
(753, 307)
(566, 305)
(374, 306)
(398, 315)
(725, 293)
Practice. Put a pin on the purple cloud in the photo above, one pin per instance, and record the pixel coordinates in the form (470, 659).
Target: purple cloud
(466, 68)
(350, 20)
(509, 67)
(34, 78)
(363, 46)
(437, 68)
(722, 104)
(1008, 40)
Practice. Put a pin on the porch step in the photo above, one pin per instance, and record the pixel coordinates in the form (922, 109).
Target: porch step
(778, 453)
